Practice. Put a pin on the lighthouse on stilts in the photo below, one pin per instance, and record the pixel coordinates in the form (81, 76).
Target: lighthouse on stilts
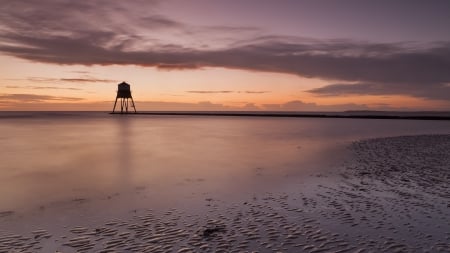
(123, 94)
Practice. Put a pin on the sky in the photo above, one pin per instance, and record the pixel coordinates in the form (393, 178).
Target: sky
(286, 55)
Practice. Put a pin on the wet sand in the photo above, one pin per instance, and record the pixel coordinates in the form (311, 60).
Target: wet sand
(391, 195)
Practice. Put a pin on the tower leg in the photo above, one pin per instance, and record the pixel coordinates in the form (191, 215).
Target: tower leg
(114, 108)
(125, 103)
(134, 107)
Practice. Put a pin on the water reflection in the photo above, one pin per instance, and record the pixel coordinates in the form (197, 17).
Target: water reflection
(124, 155)
(52, 158)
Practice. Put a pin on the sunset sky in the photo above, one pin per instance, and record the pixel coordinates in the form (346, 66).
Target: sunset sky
(226, 55)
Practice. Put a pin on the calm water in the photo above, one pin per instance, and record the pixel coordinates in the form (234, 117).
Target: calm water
(49, 158)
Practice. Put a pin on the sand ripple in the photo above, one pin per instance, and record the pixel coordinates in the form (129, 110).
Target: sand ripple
(393, 197)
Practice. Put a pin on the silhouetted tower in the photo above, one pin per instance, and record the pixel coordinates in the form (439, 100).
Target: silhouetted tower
(124, 93)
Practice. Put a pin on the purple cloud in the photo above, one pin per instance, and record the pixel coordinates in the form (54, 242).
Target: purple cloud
(107, 33)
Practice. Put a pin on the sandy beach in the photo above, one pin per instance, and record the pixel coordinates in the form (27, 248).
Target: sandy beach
(387, 194)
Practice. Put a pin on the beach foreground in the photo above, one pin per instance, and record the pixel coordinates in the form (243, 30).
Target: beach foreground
(392, 196)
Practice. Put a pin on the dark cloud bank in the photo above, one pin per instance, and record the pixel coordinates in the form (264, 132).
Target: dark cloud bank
(79, 33)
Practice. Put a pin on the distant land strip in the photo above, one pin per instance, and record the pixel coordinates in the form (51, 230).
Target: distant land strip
(290, 115)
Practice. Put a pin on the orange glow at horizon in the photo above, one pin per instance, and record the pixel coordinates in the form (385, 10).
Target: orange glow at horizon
(92, 87)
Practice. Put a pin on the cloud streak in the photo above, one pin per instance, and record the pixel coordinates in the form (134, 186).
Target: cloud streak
(225, 92)
(35, 98)
(70, 80)
(256, 91)
(298, 105)
(353, 67)
(40, 87)
(437, 91)
(210, 91)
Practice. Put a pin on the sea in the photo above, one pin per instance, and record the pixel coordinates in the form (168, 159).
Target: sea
(49, 157)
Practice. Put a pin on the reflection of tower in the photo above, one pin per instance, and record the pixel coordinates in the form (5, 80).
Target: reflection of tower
(124, 93)
(124, 157)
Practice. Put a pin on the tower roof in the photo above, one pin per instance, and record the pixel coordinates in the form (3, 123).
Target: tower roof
(123, 84)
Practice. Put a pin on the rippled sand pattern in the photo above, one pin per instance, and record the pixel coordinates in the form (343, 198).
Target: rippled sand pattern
(393, 197)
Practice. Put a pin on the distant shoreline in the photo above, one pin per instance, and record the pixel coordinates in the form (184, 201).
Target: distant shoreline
(290, 115)
(396, 115)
